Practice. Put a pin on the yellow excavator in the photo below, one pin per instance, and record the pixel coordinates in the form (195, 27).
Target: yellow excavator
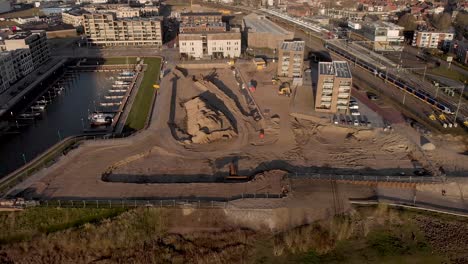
(285, 89)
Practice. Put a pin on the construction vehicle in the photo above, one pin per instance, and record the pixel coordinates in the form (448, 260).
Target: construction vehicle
(275, 80)
(432, 117)
(285, 89)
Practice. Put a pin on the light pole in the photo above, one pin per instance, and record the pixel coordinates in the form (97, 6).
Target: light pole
(459, 102)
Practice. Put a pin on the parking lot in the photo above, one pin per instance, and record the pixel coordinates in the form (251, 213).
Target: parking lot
(359, 115)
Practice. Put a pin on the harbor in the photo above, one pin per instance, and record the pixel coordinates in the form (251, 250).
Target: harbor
(78, 102)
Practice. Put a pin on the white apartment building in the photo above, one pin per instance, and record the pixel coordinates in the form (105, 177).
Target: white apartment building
(73, 18)
(291, 58)
(107, 30)
(212, 44)
(386, 36)
(433, 40)
(7, 71)
(191, 45)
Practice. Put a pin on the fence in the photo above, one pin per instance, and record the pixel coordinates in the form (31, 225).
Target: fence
(44, 160)
(192, 202)
(367, 178)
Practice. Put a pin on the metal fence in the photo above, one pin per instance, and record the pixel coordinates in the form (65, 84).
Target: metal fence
(368, 178)
(194, 202)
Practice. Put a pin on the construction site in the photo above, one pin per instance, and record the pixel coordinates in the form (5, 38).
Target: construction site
(225, 131)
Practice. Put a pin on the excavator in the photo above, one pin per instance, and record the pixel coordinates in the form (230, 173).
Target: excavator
(285, 89)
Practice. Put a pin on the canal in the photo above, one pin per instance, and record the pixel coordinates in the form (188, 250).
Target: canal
(65, 115)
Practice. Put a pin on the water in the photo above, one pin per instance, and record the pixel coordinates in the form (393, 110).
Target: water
(67, 115)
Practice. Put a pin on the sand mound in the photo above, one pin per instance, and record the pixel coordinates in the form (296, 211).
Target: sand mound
(206, 124)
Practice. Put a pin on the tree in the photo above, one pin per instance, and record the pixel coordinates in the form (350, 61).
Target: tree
(442, 21)
(461, 25)
(408, 22)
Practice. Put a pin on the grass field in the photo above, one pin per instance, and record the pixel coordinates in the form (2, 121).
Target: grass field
(142, 104)
(120, 60)
(153, 235)
(24, 225)
(451, 74)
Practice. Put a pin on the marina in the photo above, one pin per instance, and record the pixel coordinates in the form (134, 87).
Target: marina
(78, 102)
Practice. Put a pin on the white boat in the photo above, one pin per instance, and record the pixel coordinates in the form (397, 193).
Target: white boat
(42, 102)
(114, 96)
(125, 77)
(117, 91)
(122, 82)
(120, 85)
(97, 119)
(111, 104)
(29, 115)
(38, 107)
(127, 73)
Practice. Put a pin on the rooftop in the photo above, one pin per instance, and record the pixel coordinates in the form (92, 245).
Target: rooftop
(201, 14)
(262, 24)
(293, 45)
(338, 68)
(385, 24)
(24, 34)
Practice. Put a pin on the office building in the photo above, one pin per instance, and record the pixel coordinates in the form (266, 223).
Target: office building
(209, 44)
(433, 40)
(201, 17)
(262, 33)
(333, 87)
(7, 71)
(107, 30)
(291, 59)
(35, 41)
(385, 36)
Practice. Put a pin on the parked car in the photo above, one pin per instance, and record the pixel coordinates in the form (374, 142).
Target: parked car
(372, 96)
(353, 106)
(355, 112)
(356, 122)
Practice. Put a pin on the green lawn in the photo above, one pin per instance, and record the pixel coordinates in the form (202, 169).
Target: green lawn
(448, 73)
(24, 225)
(142, 104)
(120, 60)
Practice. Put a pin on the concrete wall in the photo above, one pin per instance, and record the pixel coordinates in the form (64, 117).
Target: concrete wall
(204, 65)
(266, 40)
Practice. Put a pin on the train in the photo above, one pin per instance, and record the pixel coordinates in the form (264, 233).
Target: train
(391, 78)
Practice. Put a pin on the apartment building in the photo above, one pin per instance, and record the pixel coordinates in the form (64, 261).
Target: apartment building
(291, 58)
(333, 87)
(386, 36)
(73, 17)
(107, 30)
(208, 27)
(35, 41)
(433, 40)
(461, 51)
(123, 10)
(22, 62)
(201, 17)
(7, 71)
(209, 44)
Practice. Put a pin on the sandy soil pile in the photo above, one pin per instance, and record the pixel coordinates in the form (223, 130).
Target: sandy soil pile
(206, 124)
